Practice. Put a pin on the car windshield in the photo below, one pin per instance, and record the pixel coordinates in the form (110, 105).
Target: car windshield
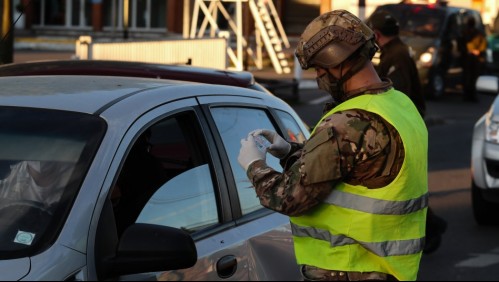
(417, 20)
(44, 156)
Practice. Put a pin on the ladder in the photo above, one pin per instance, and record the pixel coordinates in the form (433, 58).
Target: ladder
(268, 28)
(265, 23)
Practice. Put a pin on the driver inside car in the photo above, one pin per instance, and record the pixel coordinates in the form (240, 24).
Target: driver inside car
(42, 182)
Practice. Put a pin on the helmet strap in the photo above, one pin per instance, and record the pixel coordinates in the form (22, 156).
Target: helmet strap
(337, 89)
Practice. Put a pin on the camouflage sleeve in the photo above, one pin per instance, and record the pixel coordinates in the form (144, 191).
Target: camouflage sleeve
(284, 192)
(347, 138)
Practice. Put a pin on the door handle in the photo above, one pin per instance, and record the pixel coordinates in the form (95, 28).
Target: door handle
(226, 266)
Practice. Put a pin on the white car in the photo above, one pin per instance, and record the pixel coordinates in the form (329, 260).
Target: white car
(119, 178)
(485, 157)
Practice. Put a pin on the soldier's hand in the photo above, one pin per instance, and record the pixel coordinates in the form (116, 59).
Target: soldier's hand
(279, 148)
(249, 152)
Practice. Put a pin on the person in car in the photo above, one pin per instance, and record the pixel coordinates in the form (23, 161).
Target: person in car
(42, 182)
(397, 64)
(357, 190)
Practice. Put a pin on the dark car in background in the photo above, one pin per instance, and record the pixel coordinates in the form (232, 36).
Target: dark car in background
(434, 33)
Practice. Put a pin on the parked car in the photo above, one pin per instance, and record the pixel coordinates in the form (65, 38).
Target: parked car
(135, 168)
(434, 34)
(485, 157)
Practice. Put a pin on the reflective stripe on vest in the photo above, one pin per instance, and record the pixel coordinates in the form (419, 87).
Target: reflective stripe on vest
(376, 206)
(382, 249)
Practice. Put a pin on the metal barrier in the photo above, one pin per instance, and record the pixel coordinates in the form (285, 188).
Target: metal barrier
(203, 52)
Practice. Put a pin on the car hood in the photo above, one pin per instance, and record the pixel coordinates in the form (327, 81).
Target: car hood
(14, 269)
(419, 44)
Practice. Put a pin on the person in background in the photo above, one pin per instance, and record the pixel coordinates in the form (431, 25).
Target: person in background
(474, 57)
(396, 61)
(397, 64)
(357, 190)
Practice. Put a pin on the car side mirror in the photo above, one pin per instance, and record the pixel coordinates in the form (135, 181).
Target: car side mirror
(487, 84)
(149, 248)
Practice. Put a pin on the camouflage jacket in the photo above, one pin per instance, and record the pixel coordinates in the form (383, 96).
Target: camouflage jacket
(361, 148)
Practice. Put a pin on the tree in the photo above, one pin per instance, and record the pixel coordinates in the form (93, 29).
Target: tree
(6, 36)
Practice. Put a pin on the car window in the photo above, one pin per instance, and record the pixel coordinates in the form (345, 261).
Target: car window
(420, 20)
(293, 131)
(234, 124)
(44, 156)
(166, 178)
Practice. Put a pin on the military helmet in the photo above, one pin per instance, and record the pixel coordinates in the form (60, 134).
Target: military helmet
(331, 38)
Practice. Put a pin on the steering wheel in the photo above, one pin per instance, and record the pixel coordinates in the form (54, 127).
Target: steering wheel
(22, 215)
(24, 204)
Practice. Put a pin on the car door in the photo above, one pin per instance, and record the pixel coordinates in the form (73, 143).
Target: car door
(257, 245)
(181, 171)
(269, 250)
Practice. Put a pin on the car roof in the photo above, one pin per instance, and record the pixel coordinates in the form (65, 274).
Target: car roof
(93, 94)
(128, 68)
(448, 9)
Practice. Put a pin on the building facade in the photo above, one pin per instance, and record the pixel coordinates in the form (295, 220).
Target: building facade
(162, 17)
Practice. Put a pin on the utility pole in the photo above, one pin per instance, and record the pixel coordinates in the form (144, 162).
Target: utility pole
(6, 35)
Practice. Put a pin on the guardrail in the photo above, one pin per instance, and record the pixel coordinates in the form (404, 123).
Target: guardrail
(202, 52)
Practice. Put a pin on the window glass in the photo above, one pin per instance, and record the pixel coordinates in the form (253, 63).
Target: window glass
(142, 13)
(54, 12)
(186, 201)
(418, 20)
(44, 157)
(234, 124)
(166, 178)
(158, 14)
(293, 131)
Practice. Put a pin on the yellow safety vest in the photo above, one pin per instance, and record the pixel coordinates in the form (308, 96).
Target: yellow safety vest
(361, 229)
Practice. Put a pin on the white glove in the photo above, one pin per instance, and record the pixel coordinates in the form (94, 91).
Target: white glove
(249, 152)
(279, 148)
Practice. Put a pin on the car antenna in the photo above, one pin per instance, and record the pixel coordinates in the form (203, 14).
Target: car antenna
(14, 23)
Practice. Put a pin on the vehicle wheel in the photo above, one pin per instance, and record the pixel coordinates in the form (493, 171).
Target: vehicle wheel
(485, 212)
(436, 86)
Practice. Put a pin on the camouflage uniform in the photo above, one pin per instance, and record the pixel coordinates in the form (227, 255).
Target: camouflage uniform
(360, 145)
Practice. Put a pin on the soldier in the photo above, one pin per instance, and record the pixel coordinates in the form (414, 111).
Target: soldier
(357, 190)
(397, 64)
